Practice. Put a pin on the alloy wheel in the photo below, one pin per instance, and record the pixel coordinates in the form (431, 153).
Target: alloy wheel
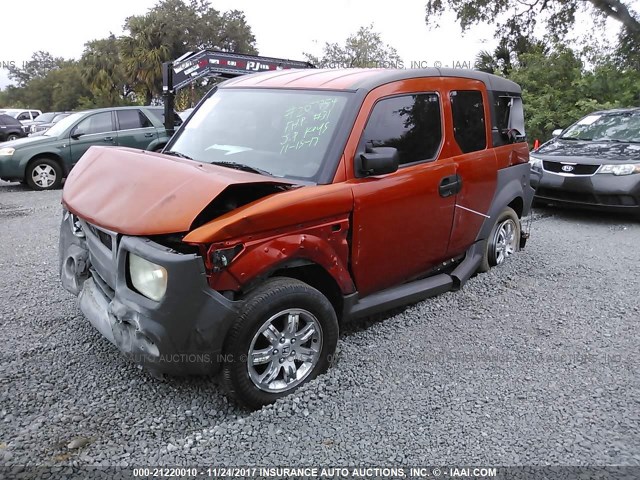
(44, 176)
(285, 350)
(505, 240)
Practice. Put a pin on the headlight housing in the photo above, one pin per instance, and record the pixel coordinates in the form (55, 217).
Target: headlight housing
(147, 278)
(620, 169)
(220, 259)
(7, 151)
(535, 162)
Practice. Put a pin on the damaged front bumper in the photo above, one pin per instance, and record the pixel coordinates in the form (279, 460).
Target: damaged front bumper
(183, 333)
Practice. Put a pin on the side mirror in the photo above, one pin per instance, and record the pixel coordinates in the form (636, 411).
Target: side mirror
(556, 132)
(377, 161)
(76, 134)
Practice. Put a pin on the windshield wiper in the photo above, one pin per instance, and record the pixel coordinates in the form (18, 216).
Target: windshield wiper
(177, 154)
(243, 167)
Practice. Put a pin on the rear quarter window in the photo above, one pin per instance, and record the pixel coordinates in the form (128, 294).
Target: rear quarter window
(132, 119)
(508, 118)
(469, 127)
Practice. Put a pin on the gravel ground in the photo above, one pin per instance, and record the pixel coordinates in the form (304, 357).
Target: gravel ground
(533, 363)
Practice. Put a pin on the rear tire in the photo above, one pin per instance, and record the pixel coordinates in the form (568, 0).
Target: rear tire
(43, 174)
(503, 241)
(286, 334)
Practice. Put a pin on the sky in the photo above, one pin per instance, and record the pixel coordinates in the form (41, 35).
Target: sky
(283, 28)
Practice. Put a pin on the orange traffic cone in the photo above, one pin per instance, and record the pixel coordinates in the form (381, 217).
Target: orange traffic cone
(536, 144)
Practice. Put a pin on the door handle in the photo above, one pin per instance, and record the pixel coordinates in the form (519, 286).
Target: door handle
(108, 139)
(450, 186)
(148, 135)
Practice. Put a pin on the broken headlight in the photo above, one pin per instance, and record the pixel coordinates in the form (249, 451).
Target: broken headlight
(535, 162)
(147, 278)
(223, 257)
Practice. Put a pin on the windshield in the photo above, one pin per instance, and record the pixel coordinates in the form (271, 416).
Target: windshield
(286, 133)
(612, 127)
(59, 117)
(46, 117)
(63, 124)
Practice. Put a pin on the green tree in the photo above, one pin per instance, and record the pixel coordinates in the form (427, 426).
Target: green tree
(143, 52)
(508, 54)
(364, 49)
(38, 66)
(169, 30)
(67, 87)
(103, 73)
(559, 15)
(558, 89)
(59, 89)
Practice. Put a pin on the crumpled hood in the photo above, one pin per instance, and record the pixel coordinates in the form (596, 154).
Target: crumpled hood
(588, 152)
(136, 192)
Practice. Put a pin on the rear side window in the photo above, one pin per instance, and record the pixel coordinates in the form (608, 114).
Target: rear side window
(468, 120)
(130, 119)
(410, 123)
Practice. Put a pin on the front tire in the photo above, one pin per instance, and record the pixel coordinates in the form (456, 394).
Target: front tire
(503, 241)
(43, 174)
(12, 136)
(286, 334)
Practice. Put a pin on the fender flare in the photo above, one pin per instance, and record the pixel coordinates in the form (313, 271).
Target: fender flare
(292, 250)
(513, 182)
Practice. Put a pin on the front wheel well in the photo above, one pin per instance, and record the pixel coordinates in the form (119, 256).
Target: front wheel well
(49, 156)
(517, 205)
(317, 277)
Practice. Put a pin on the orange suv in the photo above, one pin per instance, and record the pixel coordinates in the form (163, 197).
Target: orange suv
(288, 203)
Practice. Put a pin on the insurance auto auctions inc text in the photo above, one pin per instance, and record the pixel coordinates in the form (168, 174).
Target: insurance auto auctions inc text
(371, 472)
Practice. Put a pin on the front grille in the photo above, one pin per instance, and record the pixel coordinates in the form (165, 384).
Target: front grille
(592, 198)
(102, 285)
(579, 169)
(104, 238)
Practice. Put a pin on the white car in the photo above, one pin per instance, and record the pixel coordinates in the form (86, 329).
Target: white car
(25, 116)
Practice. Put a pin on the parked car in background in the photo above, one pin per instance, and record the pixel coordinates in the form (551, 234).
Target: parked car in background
(276, 214)
(46, 121)
(22, 115)
(43, 161)
(10, 128)
(25, 116)
(595, 163)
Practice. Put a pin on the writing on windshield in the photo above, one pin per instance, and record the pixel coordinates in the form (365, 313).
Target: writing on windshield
(306, 124)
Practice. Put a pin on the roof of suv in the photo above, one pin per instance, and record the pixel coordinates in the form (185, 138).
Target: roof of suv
(128, 107)
(361, 78)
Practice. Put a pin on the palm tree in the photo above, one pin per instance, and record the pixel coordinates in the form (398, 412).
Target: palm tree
(143, 52)
(102, 70)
